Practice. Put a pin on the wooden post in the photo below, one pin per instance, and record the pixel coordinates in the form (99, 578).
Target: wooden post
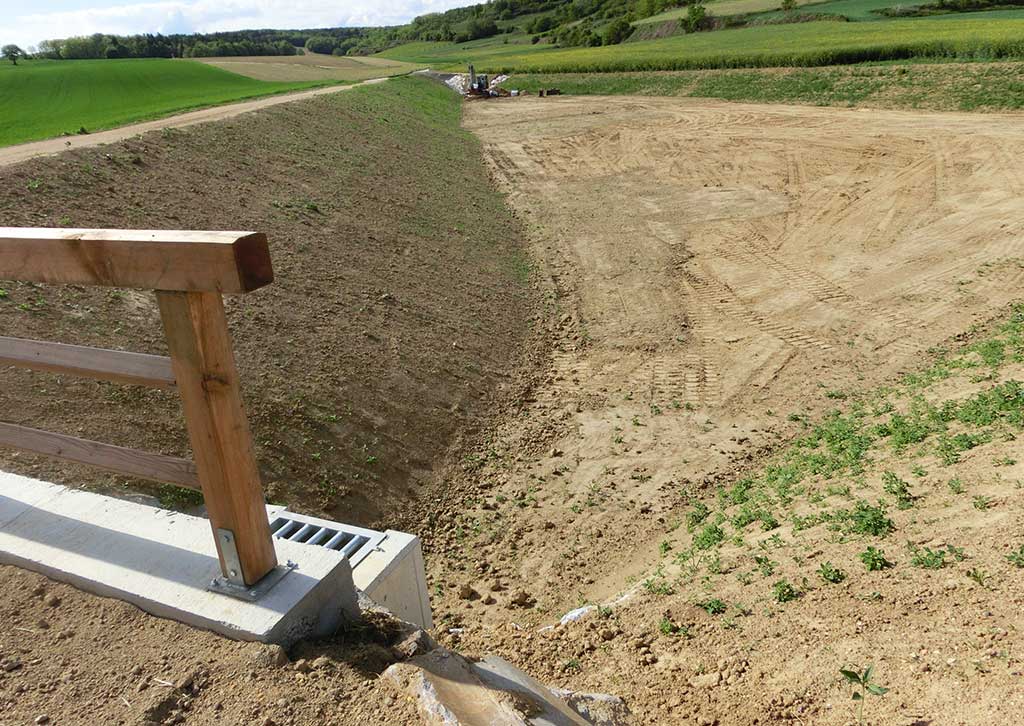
(204, 368)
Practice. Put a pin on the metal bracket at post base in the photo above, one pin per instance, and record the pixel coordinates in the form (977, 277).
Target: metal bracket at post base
(233, 584)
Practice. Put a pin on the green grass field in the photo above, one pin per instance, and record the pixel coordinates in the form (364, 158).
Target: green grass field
(42, 99)
(939, 87)
(964, 37)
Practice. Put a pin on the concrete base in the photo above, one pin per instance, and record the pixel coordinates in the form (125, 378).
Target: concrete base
(393, 575)
(163, 561)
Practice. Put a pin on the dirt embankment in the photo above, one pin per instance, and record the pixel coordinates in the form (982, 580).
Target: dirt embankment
(400, 305)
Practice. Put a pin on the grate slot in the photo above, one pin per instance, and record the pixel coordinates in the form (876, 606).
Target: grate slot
(336, 542)
(321, 536)
(354, 544)
(305, 531)
(287, 528)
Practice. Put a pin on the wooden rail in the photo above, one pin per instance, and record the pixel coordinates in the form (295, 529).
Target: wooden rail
(157, 467)
(189, 272)
(105, 365)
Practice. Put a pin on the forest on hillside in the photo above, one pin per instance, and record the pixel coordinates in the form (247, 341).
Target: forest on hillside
(561, 22)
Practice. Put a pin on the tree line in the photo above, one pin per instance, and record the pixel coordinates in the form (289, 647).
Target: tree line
(560, 22)
(199, 45)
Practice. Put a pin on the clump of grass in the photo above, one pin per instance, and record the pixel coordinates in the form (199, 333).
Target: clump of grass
(172, 497)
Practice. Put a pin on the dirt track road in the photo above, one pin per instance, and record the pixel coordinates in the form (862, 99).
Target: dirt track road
(728, 265)
(21, 152)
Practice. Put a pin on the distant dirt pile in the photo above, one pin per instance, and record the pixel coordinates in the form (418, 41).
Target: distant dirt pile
(399, 305)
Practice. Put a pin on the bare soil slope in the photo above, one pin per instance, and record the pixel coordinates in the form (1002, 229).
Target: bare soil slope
(726, 275)
(395, 313)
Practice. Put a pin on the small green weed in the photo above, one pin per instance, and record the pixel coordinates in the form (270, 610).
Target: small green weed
(979, 576)
(783, 592)
(832, 574)
(667, 627)
(708, 537)
(697, 515)
(928, 559)
(713, 606)
(898, 488)
(864, 682)
(874, 559)
(864, 518)
(765, 565)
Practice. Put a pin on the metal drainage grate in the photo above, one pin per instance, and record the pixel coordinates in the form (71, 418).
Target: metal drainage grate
(353, 542)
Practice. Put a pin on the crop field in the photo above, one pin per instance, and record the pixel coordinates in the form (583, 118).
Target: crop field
(42, 99)
(311, 67)
(968, 37)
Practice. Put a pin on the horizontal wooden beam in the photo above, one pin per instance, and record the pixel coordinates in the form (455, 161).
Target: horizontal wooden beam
(105, 365)
(227, 262)
(157, 467)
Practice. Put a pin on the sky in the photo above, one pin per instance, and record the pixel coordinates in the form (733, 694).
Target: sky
(26, 23)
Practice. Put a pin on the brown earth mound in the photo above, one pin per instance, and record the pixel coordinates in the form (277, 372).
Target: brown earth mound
(70, 658)
(400, 304)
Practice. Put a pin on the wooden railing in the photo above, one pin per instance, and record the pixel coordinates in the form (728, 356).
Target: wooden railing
(189, 271)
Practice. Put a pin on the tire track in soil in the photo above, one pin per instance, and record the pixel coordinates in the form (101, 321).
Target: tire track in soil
(718, 296)
(755, 251)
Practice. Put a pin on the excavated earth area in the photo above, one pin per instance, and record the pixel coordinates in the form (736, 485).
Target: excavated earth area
(715, 278)
(721, 274)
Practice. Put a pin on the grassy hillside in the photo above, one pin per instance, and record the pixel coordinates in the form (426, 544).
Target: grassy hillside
(394, 313)
(973, 37)
(42, 99)
(938, 87)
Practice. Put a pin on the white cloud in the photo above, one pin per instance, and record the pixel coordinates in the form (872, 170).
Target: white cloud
(206, 16)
